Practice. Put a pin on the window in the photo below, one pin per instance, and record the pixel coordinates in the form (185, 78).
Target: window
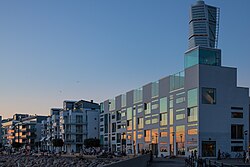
(236, 115)
(163, 119)
(237, 132)
(147, 108)
(137, 95)
(192, 97)
(163, 104)
(236, 148)
(118, 115)
(147, 135)
(171, 116)
(192, 132)
(208, 95)
(111, 104)
(209, 148)
(113, 127)
(180, 100)
(129, 113)
(154, 106)
(155, 89)
(155, 120)
(129, 125)
(180, 116)
(140, 123)
(164, 134)
(192, 114)
(123, 100)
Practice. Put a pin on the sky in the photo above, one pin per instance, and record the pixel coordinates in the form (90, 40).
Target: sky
(58, 50)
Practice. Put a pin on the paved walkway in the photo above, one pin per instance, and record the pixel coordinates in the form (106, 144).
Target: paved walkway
(163, 162)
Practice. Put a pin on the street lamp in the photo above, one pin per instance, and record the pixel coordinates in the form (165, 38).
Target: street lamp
(246, 132)
(173, 141)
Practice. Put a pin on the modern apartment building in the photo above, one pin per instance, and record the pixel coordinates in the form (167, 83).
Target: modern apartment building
(78, 123)
(50, 129)
(200, 109)
(28, 130)
(8, 126)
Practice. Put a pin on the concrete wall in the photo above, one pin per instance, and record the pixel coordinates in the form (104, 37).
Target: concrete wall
(141, 161)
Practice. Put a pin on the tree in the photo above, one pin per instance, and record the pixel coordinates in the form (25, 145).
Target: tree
(92, 142)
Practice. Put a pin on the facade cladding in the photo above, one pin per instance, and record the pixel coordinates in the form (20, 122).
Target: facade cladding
(199, 110)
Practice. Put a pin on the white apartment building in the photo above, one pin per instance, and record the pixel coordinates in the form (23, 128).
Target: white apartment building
(78, 121)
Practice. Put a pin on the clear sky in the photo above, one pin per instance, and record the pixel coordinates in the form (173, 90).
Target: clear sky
(96, 49)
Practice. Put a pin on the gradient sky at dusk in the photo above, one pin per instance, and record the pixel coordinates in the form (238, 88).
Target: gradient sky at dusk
(96, 49)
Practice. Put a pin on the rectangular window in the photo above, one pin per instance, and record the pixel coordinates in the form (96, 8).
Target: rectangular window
(147, 135)
(140, 123)
(129, 113)
(148, 121)
(209, 148)
(208, 95)
(180, 116)
(163, 105)
(193, 97)
(237, 132)
(155, 120)
(164, 134)
(118, 115)
(111, 104)
(180, 100)
(113, 127)
(129, 125)
(192, 114)
(137, 95)
(154, 106)
(124, 100)
(155, 89)
(192, 132)
(163, 119)
(236, 148)
(171, 116)
(147, 108)
(236, 115)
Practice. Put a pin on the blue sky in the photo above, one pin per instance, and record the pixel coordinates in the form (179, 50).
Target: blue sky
(56, 50)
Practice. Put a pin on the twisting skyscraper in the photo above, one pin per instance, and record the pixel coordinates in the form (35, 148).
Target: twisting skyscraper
(203, 25)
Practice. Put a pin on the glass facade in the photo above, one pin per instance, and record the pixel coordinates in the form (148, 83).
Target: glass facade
(177, 81)
(155, 89)
(138, 95)
(163, 104)
(203, 56)
(193, 97)
(124, 100)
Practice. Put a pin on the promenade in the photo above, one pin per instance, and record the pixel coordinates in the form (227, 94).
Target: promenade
(180, 162)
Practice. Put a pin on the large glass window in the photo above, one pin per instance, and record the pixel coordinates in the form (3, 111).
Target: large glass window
(147, 135)
(129, 113)
(237, 131)
(124, 100)
(180, 116)
(155, 89)
(118, 115)
(163, 105)
(208, 95)
(163, 119)
(208, 148)
(138, 95)
(177, 81)
(171, 116)
(192, 114)
(111, 104)
(140, 123)
(147, 108)
(192, 97)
